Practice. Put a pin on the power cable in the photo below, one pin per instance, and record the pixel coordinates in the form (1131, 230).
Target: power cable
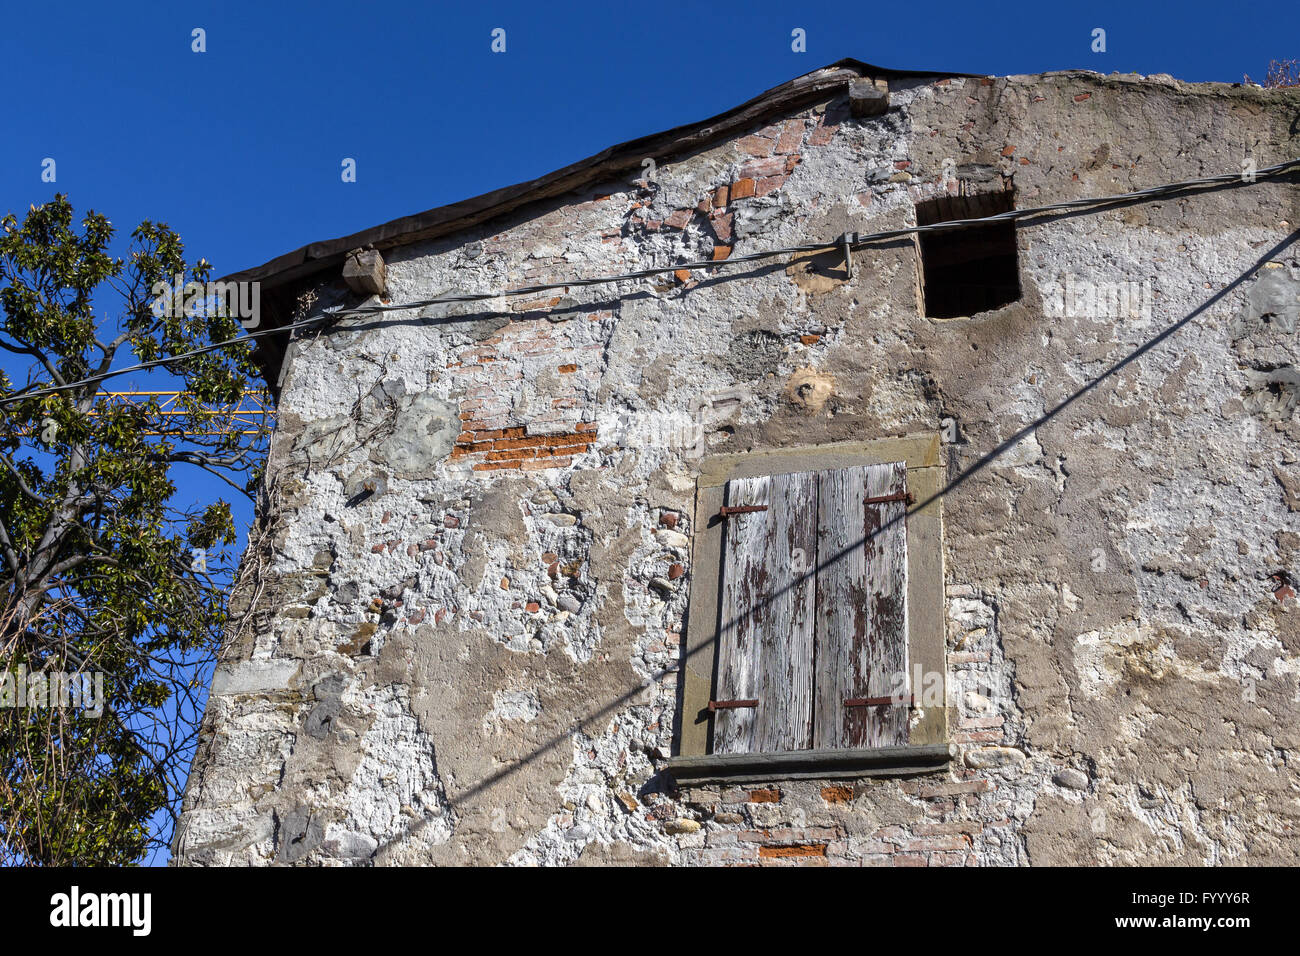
(852, 240)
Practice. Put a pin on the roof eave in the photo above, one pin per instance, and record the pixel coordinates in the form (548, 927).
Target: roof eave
(293, 267)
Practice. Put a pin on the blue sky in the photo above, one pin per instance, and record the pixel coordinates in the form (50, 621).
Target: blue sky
(239, 148)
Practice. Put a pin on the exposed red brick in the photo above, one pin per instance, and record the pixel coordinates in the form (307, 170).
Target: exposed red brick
(668, 519)
(721, 252)
(585, 427)
(769, 184)
(742, 189)
(679, 219)
(563, 450)
(976, 736)
(762, 167)
(532, 607)
(1081, 97)
(536, 304)
(566, 369)
(797, 849)
(533, 442)
(675, 571)
(766, 795)
(494, 465)
(1008, 150)
(791, 137)
(756, 145)
(510, 453)
(722, 225)
(821, 135)
(838, 793)
(683, 275)
(809, 339)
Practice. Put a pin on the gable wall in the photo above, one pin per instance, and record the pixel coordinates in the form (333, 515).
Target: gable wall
(479, 664)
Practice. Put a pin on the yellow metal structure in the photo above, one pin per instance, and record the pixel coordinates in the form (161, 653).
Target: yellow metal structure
(255, 412)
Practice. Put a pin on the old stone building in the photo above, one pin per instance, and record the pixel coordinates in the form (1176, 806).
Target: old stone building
(1009, 574)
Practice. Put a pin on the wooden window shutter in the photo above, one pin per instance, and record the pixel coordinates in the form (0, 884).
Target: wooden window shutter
(766, 616)
(861, 644)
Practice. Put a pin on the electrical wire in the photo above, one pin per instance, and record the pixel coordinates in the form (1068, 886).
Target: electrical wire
(852, 240)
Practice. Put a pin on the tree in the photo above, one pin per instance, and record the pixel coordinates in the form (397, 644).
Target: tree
(100, 571)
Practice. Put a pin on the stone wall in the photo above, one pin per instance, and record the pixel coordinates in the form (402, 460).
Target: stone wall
(460, 615)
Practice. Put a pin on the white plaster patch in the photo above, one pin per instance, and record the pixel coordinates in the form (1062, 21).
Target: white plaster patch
(512, 706)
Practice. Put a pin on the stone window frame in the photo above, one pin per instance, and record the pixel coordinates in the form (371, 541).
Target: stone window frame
(929, 748)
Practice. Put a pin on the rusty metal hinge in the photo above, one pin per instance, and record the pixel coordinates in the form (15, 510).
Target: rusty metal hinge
(885, 499)
(878, 701)
(716, 705)
(726, 511)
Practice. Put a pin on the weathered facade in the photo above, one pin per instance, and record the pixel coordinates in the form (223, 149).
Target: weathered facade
(480, 616)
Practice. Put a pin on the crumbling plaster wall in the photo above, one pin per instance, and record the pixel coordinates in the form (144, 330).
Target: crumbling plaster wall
(472, 659)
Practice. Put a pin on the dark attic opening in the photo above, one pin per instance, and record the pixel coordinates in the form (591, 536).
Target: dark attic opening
(969, 269)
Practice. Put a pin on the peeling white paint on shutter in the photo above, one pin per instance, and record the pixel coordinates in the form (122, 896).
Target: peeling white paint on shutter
(861, 629)
(766, 616)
